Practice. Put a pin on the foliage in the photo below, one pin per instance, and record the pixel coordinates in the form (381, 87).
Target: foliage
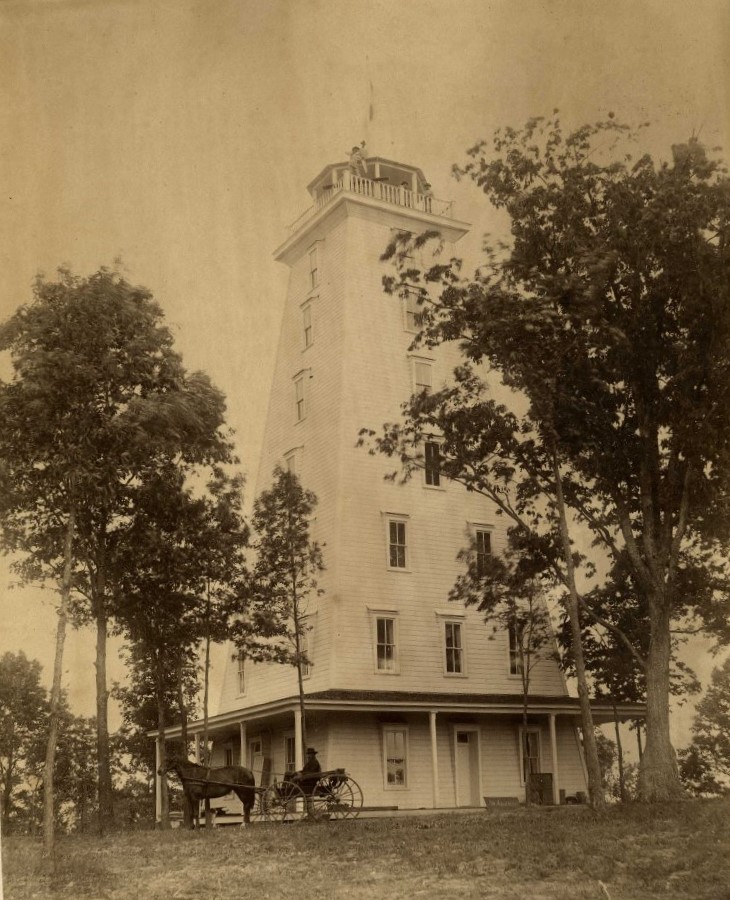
(23, 716)
(283, 578)
(608, 317)
(98, 401)
(705, 764)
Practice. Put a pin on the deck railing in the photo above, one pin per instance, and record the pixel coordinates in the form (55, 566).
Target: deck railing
(377, 190)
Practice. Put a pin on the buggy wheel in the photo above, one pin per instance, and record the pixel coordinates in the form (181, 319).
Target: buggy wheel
(335, 797)
(284, 801)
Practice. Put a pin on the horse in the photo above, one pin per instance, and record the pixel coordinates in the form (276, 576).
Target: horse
(203, 782)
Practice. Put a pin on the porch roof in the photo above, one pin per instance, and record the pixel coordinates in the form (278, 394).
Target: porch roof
(417, 701)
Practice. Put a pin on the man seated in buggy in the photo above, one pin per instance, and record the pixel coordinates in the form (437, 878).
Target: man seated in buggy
(309, 774)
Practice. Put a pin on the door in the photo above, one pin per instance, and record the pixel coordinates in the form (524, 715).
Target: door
(256, 758)
(467, 768)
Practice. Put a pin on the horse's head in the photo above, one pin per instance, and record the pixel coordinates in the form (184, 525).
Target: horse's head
(171, 764)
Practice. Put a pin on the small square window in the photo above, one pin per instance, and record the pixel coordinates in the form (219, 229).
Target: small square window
(432, 464)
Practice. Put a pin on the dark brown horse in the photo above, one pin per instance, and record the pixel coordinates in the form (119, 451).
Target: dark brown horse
(203, 782)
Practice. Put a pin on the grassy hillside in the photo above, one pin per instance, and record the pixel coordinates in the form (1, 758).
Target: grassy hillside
(627, 853)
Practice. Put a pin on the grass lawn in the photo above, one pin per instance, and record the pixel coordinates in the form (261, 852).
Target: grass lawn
(680, 850)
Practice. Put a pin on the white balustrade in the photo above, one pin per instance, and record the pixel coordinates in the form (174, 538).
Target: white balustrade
(377, 190)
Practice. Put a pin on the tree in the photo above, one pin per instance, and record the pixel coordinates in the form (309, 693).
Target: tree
(609, 316)
(98, 401)
(705, 764)
(181, 569)
(283, 578)
(23, 717)
(510, 591)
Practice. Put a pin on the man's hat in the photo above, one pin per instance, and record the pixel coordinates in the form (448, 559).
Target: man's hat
(311, 750)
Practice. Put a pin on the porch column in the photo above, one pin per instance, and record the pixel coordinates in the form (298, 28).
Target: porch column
(242, 736)
(196, 738)
(554, 752)
(434, 757)
(158, 784)
(298, 749)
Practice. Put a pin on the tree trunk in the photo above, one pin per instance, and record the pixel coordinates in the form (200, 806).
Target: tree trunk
(187, 811)
(106, 805)
(8, 789)
(206, 688)
(48, 795)
(658, 774)
(595, 785)
(619, 754)
(162, 755)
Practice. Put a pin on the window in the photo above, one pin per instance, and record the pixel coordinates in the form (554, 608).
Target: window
(412, 312)
(454, 648)
(229, 756)
(529, 752)
(290, 754)
(307, 328)
(241, 671)
(385, 649)
(300, 396)
(292, 461)
(421, 376)
(304, 646)
(515, 655)
(397, 547)
(432, 463)
(483, 541)
(395, 751)
(313, 268)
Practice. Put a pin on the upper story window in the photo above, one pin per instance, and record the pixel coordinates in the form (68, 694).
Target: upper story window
(241, 672)
(314, 267)
(293, 461)
(305, 646)
(483, 542)
(515, 650)
(422, 375)
(397, 544)
(307, 326)
(454, 648)
(412, 312)
(432, 464)
(300, 395)
(385, 645)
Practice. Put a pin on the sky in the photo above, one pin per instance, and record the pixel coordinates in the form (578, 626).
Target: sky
(179, 137)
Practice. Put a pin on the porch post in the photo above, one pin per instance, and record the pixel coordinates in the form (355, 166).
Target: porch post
(196, 738)
(298, 749)
(242, 736)
(554, 752)
(158, 784)
(434, 757)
